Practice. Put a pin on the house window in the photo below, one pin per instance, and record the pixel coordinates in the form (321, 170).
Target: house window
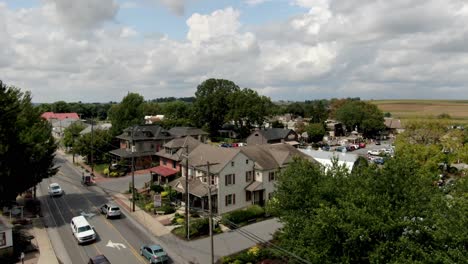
(271, 176)
(270, 195)
(248, 196)
(213, 180)
(246, 161)
(232, 163)
(164, 162)
(174, 164)
(248, 176)
(230, 199)
(229, 179)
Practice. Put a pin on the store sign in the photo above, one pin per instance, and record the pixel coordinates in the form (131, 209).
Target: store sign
(157, 200)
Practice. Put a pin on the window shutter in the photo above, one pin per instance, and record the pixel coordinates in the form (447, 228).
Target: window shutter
(234, 198)
(226, 180)
(233, 179)
(226, 200)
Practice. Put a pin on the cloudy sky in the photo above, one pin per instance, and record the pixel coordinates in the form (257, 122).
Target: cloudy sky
(99, 50)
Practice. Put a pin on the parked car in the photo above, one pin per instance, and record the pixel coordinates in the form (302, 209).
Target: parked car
(350, 148)
(356, 146)
(110, 210)
(341, 149)
(99, 259)
(373, 152)
(154, 253)
(55, 189)
(362, 145)
(377, 142)
(326, 147)
(116, 167)
(379, 160)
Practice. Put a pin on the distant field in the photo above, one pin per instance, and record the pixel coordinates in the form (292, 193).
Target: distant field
(409, 109)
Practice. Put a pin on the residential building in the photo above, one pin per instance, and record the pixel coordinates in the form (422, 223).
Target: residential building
(60, 121)
(170, 156)
(59, 116)
(393, 126)
(197, 133)
(153, 119)
(326, 158)
(141, 142)
(101, 126)
(272, 136)
(239, 176)
(6, 237)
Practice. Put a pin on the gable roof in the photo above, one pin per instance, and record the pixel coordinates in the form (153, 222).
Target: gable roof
(178, 144)
(274, 133)
(393, 123)
(217, 157)
(273, 156)
(145, 132)
(186, 131)
(59, 116)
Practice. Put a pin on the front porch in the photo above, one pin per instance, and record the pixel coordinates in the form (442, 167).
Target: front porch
(198, 194)
(255, 191)
(162, 175)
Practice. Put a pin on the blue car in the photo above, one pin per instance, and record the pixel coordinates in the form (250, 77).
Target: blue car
(154, 253)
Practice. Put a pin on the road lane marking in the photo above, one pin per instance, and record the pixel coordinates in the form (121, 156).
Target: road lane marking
(115, 245)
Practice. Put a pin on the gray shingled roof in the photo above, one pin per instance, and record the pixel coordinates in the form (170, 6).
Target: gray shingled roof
(217, 156)
(273, 156)
(178, 145)
(274, 133)
(126, 153)
(145, 132)
(186, 131)
(196, 188)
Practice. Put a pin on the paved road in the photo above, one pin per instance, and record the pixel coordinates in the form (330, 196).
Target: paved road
(78, 199)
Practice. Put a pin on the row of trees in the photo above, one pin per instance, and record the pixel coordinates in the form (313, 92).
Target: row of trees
(26, 144)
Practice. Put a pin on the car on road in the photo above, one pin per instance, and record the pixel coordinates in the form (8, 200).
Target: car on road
(99, 259)
(55, 189)
(110, 210)
(154, 253)
(82, 230)
(340, 149)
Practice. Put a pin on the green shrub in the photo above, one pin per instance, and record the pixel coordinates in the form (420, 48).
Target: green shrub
(167, 209)
(180, 221)
(243, 215)
(106, 171)
(157, 188)
(114, 174)
(164, 194)
(149, 206)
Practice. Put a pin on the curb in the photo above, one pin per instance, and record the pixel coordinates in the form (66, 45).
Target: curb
(46, 251)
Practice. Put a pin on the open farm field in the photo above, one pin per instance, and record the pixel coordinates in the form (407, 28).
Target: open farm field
(416, 109)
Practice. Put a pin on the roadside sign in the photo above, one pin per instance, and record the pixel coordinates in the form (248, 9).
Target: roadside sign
(157, 200)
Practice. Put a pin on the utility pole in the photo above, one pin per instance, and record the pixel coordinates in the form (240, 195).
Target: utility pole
(210, 219)
(187, 193)
(133, 170)
(92, 147)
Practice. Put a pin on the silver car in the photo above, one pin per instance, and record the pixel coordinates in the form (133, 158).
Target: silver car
(55, 189)
(110, 210)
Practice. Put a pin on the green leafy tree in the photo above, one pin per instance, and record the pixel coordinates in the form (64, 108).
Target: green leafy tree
(315, 132)
(248, 109)
(128, 113)
(211, 103)
(176, 110)
(424, 132)
(295, 109)
(26, 144)
(388, 215)
(277, 124)
(316, 110)
(71, 134)
(365, 116)
(98, 143)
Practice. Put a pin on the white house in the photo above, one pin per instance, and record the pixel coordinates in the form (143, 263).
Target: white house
(325, 158)
(240, 176)
(6, 237)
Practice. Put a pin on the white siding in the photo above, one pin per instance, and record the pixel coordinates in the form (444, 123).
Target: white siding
(239, 169)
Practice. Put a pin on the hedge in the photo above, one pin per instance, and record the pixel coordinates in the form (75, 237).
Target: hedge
(243, 215)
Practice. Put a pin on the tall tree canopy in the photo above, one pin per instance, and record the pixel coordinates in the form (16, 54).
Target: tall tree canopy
(211, 103)
(365, 116)
(248, 109)
(128, 113)
(389, 215)
(26, 144)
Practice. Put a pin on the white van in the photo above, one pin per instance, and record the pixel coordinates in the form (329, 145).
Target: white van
(82, 230)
